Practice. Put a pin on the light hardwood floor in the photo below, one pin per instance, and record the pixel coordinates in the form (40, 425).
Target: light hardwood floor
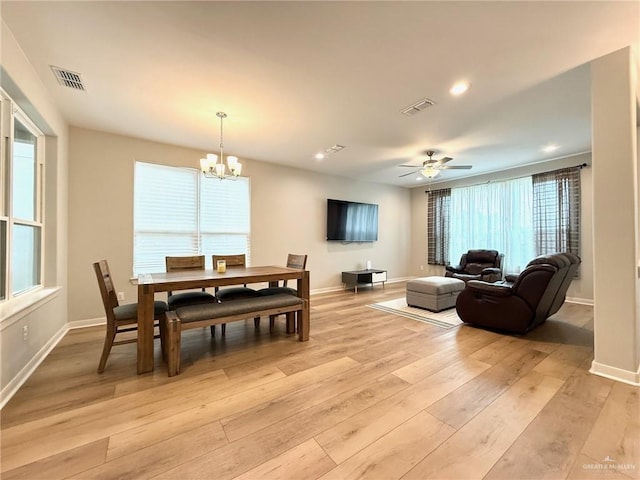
(371, 395)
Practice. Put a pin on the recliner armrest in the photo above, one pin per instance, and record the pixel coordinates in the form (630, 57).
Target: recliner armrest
(454, 268)
(490, 271)
(486, 288)
(511, 277)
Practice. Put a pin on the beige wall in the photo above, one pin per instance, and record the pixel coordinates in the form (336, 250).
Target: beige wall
(45, 316)
(288, 215)
(581, 289)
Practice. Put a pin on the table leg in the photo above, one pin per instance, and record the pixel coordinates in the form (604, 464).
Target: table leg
(145, 328)
(305, 314)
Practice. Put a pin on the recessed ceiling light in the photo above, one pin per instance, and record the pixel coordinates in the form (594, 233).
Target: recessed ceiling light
(459, 88)
(550, 148)
(319, 156)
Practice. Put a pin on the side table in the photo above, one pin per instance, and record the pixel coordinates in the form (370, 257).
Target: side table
(361, 277)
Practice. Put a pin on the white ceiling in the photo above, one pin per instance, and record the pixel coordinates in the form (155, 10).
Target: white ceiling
(298, 77)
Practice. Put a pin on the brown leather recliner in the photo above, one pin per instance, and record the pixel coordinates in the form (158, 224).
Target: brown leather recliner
(485, 265)
(536, 294)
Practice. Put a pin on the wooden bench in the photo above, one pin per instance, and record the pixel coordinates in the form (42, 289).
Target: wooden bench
(198, 316)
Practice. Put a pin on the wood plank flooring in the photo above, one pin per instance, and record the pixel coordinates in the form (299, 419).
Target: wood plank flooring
(372, 395)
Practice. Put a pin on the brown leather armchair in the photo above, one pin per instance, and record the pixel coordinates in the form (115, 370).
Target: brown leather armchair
(485, 265)
(536, 294)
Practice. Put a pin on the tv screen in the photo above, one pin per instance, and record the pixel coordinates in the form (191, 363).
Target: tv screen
(352, 221)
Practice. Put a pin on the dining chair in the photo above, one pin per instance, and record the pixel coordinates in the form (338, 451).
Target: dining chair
(122, 318)
(233, 293)
(293, 261)
(183, 299)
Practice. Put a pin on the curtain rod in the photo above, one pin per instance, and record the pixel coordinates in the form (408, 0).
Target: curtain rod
(581, 166)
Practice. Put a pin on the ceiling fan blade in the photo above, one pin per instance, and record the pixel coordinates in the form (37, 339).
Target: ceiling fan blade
(455, 167)
(412, 166)
(444, 160)
(405, 174)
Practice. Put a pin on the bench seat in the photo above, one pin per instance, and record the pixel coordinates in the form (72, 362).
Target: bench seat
(197, 316)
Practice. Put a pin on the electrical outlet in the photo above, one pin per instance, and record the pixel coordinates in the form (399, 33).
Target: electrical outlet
(120, 296)
(25, 332)
(421, 267)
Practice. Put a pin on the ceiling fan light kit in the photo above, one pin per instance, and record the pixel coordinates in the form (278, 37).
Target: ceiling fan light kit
(429, 172)
(431, 168)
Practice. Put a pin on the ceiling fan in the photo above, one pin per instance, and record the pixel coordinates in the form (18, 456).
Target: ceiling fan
(431, 168)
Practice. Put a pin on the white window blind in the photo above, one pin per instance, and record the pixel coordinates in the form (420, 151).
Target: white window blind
(179, 212)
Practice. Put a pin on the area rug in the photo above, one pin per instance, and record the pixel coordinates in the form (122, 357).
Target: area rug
(445, 319)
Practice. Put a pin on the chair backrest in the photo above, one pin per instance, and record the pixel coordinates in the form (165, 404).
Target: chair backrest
(174, 264)
(542, 284)
(295, 261)
(574, 263)
(474, 261)
(177, 264)
(239, 260)
(107, 289)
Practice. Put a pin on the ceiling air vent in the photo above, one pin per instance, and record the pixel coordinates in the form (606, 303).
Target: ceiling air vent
(67, 78)
(334, 149)
(417, 107)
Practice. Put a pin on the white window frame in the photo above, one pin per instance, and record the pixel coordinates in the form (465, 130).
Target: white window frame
(9, 112)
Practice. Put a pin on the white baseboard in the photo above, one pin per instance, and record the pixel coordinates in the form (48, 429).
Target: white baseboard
(615, 373)
(581, 301)
(89, 322)
(339, 288)
(399, 279)
(318, 291)
(23, 375)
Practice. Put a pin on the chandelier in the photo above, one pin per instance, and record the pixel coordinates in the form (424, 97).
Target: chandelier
(212, 168)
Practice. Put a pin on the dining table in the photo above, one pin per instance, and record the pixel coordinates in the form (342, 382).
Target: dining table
(151, 283)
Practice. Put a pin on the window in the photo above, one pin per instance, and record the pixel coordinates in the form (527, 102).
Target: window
(438, 222)
(494, 216)
(556, 211)
(179, 212)
(21, 222)
(521, 218)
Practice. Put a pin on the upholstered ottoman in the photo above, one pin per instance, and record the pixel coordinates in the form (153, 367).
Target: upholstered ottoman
(433, 293)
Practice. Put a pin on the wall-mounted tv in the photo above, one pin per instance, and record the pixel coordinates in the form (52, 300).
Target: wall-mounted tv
(352, 221)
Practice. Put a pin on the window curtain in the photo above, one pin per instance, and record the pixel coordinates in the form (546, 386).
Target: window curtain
(495, 216)
(438, 226)
(556, 211)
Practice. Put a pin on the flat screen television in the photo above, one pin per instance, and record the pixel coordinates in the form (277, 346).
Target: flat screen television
(352, 221)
